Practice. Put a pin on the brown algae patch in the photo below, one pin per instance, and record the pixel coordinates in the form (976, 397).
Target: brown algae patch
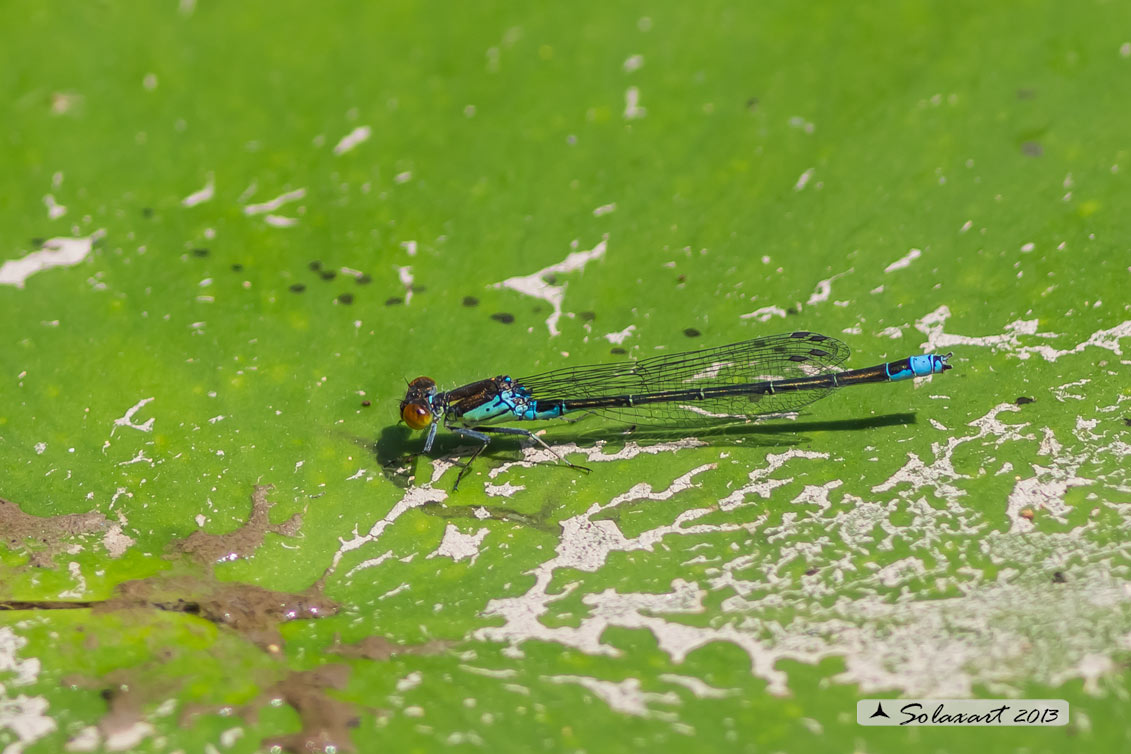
(44, 537)
(326, 721)
(379, 648)
(126, 695)
(251, 611)
(208, 548)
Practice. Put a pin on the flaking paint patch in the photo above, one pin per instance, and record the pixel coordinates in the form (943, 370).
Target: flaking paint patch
(764, 314)
(824, 289)
(24, 717)
(698, 687)
(353, 139)
(17, 672)
(627, 696)
(1059, 619)
(905, 261)
(616, 338)
(404, 274)
(534, 455)
(414, 497)
(459, 546)
(933, 325)
(56, 252)
(535, 284)
(263, 208)
(202, 195)
(128, 419)
(585, 545)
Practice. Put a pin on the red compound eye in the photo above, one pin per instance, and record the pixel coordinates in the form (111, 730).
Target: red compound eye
(416, 415)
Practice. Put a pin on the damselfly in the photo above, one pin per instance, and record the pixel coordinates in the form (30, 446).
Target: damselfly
(772, 375)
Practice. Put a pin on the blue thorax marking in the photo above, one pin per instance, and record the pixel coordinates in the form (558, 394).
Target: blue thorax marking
(512, 402)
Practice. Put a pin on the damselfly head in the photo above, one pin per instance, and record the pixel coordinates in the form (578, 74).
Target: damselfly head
(416, 408)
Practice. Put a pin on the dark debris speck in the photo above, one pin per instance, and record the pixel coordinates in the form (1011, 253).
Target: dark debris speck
(327, 274)
(147, 212)
(315, 265)
(503, 317)
(618, 351)
(691, 332)
(394, 301)
(1024, 400)
(364, 279)
(237, 267)
(345, 298)
(470, 301)
(298, 288)
(200, 252)
(588, 316)
(366, 404)
(1058, 577)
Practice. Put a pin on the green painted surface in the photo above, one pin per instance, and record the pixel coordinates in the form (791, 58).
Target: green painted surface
(907, 177)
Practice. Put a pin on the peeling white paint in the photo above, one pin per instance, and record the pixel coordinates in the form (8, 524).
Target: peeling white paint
(534, 454)
(632, 108)
(626, 697)
(404, 274)
(698, 687)
(824, 289)
(24, 717)
(905, 261)
(280, 221)
(56, 252)
(350, 141)
(54, 209)
(803, 180)
(764, 314)
(933, 326)
(413, 497)
(128, 738)
(616, 338)
(535, 284)
(459, 546)
(202, 195)
(116, 541)
(128, 419)
(78, 591)
(271, 205)
(410, 681)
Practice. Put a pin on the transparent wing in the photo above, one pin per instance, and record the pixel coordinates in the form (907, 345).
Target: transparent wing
(776, 357)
